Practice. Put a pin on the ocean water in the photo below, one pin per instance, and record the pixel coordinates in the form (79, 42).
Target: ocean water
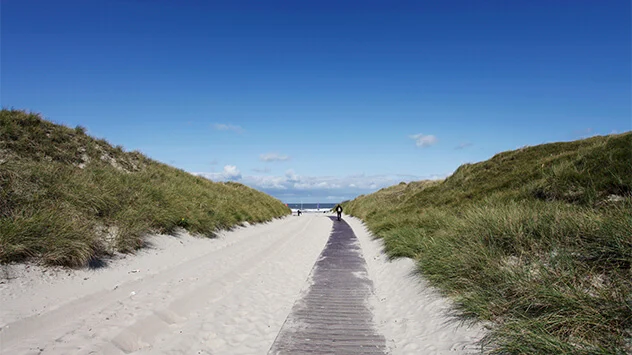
(312, 206)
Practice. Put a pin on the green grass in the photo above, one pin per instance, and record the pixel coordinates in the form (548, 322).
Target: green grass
(537, 242)
(67, 198)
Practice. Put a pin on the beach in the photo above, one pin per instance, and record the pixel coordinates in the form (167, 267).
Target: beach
(228, 295)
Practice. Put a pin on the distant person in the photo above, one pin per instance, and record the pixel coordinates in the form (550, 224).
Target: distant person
(299, 212)
(339, 211)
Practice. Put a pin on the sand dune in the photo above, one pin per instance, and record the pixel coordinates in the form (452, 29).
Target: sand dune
(413, 317)
(230, 295)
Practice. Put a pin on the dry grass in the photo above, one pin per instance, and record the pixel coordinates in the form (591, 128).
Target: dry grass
(67, 198)
(538, 241)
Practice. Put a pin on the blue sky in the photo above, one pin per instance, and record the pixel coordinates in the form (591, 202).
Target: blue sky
(319, 101)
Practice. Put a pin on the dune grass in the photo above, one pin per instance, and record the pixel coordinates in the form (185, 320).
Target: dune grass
(537, 242)
(67, 198)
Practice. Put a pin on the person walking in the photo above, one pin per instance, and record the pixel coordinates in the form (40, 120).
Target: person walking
(339, 211)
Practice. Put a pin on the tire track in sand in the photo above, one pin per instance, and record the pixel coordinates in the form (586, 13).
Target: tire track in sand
(99, 317)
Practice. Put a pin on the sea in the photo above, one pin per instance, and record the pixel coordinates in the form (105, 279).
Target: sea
(311, 207)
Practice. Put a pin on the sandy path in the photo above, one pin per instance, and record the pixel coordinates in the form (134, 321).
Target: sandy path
(187, 295)
(334, 315)
(230, 295)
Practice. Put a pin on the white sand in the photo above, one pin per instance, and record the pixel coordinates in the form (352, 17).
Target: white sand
(187, 295)
(412, 316)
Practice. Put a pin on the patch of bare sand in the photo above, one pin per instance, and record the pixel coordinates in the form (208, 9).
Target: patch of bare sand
(412, 316)
(185, 295)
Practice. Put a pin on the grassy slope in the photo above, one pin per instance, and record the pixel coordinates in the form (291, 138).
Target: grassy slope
(67, 198)
(537, 241)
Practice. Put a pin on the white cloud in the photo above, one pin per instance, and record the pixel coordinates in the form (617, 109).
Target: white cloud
(291, 185)
(422, 140)
(266, 182)
(230, 173)
(261, 170)
(291, 176)
(227, 127)
(268, 157)
(335, 198)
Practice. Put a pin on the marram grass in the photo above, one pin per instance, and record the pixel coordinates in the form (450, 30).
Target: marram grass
(537, 243)
(68, 199)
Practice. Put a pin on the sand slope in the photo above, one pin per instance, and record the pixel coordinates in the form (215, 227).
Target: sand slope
(413, 317)
(187, 295)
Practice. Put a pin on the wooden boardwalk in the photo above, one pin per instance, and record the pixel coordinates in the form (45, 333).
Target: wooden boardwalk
(333, 316)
